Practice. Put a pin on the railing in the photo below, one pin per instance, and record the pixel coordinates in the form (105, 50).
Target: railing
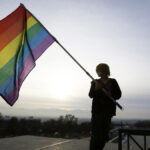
(129, 133)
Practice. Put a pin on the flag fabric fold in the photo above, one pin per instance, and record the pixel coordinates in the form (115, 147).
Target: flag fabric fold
(23, 39)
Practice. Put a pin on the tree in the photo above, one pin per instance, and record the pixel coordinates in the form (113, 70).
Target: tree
(12, 127)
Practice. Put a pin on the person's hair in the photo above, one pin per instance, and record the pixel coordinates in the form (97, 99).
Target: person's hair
(103, 68)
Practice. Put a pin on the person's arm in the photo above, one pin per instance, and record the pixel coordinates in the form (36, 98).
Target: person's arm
(116, 92)
(95, 89)
(92, 90)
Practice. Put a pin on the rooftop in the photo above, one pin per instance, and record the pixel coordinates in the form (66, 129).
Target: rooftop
(44, 143)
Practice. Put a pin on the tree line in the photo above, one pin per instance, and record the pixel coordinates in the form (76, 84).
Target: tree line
(65, 126)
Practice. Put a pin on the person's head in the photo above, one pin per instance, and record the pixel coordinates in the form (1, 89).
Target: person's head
(102, 70)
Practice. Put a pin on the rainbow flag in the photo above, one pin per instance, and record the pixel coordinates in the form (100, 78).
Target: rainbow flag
(22, 41)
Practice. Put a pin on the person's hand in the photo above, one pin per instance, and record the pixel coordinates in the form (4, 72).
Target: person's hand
(98, 85)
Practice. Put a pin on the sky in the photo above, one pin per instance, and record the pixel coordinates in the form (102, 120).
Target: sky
(116, 32)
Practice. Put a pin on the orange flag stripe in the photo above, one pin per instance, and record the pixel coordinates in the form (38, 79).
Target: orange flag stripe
(15, 29)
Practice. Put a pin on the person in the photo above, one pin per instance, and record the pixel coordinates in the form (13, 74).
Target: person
(103, 109)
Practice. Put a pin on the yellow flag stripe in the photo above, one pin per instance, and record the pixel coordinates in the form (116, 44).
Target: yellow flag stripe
(11, 49)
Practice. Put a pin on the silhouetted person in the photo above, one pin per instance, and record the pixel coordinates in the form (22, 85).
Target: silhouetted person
(103, 109)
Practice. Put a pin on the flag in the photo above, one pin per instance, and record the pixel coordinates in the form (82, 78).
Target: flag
(23, 39)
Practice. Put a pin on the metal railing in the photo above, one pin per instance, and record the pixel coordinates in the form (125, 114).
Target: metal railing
(130, 133)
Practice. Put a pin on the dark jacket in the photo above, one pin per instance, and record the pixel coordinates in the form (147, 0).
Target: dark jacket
(101, 103)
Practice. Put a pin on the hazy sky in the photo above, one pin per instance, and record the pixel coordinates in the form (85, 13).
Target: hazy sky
(116, 32)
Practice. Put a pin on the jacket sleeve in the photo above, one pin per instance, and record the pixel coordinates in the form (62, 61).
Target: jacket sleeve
(116, 92)
(92, 90)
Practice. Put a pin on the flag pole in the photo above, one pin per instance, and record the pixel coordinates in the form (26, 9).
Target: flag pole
(105, 91)
(74, 59)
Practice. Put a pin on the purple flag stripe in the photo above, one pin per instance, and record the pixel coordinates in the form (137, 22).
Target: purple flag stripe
(37, 52)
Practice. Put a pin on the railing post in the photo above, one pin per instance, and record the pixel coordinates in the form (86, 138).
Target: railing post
(120, 140)
(128, 142)
(144, 142)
